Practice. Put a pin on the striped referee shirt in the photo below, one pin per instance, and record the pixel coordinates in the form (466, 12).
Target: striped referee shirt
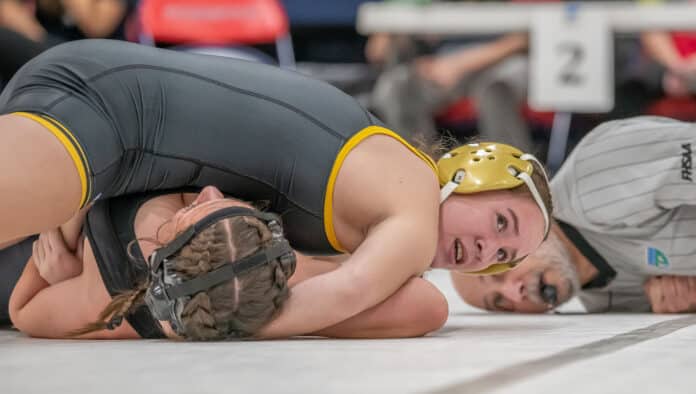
(629, 189)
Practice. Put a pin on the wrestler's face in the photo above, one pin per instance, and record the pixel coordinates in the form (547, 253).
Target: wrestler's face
(544, 280)
(481, 229)
(209, 200)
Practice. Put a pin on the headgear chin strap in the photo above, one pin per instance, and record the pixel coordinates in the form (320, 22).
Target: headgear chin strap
(488, 166)
(168, 293)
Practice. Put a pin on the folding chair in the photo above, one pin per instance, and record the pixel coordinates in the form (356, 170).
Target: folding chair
(218, 27)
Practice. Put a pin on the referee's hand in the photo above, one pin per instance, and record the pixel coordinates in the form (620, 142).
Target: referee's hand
(671, 294)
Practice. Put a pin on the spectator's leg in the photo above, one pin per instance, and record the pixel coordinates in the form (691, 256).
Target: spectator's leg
(499, 92)
(405, 102)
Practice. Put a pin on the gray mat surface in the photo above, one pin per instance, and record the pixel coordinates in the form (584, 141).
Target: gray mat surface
(474, 353)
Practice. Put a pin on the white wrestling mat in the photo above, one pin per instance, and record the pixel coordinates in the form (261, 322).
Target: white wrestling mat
(474, 353)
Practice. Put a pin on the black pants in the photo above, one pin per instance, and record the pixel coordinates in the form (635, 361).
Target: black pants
(12, 262)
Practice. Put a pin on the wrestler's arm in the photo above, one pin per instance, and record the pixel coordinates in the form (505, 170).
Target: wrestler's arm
(46, 310)
(57, 253)
(72, 229)
(39, 320)
(42, 310)
(417, 308)
(31, 282)
(391, 254)
(399, 238)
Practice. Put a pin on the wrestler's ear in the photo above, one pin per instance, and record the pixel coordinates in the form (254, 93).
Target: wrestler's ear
(207, 194)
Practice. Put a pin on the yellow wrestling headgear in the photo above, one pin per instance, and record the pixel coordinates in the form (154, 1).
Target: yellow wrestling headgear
(487, 166)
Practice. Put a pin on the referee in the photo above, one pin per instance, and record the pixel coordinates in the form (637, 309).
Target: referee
(625, 231)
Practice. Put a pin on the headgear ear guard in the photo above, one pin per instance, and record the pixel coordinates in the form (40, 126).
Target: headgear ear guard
(168, 293)
(488, 166)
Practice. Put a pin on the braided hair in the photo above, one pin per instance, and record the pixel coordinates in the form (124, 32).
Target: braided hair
(236, 308)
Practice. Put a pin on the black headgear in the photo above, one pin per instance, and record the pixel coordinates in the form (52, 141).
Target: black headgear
(168, 293)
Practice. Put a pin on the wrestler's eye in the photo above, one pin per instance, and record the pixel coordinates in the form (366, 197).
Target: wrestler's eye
(501, 222)
(501, 304)
(497, 301)
(501, 255)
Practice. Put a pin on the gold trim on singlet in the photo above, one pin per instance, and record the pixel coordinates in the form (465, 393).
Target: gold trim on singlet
(68, 140)
(342, 154)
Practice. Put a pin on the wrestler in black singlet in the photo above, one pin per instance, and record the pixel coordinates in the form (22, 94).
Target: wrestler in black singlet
(137, 118)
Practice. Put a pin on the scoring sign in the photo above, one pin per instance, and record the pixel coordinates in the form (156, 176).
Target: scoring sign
(572, 61)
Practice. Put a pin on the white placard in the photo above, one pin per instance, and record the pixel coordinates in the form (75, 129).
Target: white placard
(572, 61)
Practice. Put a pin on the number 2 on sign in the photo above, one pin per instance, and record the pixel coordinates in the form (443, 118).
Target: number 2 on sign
(569, 71)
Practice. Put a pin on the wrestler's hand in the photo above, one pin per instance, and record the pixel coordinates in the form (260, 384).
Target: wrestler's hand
(54, 261)
(671, 294)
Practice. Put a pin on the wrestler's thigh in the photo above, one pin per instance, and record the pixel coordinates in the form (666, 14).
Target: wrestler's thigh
(40, 187)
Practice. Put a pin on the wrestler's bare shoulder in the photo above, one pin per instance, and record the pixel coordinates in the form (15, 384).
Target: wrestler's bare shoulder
(383, 178)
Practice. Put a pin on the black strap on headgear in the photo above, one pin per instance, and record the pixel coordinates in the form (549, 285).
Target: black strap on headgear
(182, 239)
(228, 271)
(162, 297)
